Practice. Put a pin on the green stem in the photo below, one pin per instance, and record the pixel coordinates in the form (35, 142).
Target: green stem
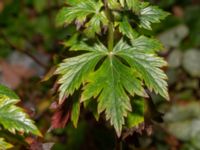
(110, 27)
(110, 37)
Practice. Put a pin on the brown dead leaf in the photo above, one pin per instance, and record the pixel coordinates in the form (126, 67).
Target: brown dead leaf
(62, 115)
(34, 144)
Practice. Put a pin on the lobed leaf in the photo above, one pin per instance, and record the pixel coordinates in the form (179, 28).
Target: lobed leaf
(146, 45)
(75, 111)
(74, 71)
(151, 14)
(79, 14)
(7, 92)
(113, 4)
(109, 83)
(94, 25)
(148, 65)
(131, 4)
(126, 29)
(4, 145)
(12, 117)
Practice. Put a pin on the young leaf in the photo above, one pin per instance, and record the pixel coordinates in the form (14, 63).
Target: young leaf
(126, 29)
(80, 12)
(12, 117)
(131, 4)
(4, 145)
(113, 4)
(151, 14)
(94, 25)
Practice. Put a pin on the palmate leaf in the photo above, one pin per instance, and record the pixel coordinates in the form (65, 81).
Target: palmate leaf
(112, 76)
(4, 145)
(80, 11)
(113, 80)
(12, 117)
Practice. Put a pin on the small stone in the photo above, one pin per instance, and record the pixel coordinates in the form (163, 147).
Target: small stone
(191, 62)
(175, 59)
(172, 37)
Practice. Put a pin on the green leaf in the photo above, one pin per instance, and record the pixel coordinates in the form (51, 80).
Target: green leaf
(134, 5)
(136, 117)
(151, 14)
(73, 71)
(12, 117)
(126, 29)
(7, 92)
(148, 65)
(4, 145)
(112, 76)
(72, 2)
(75, 111)
(146, 45)
(131, 4)
(110, 82)
(83, 10)
(94, 25)
(122, 2)
(113, 4)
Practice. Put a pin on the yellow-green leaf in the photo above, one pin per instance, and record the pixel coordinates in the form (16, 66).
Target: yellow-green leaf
(12, 117)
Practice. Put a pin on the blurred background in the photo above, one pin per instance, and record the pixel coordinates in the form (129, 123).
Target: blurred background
(31, 46)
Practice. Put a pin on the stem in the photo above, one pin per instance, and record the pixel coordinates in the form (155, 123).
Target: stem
(110, 27)
(118, 145)
(110, 37)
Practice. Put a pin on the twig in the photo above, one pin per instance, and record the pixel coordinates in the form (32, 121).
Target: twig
(22, 50)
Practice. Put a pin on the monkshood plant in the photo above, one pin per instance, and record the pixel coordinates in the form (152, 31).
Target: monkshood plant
(116, 63)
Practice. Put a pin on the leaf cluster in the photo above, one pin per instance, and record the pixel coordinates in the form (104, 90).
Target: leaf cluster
(116, 73)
